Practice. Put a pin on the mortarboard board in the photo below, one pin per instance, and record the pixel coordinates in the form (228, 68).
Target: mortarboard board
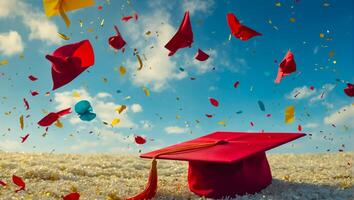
(349, 91)
(183, 38)
(221, 164)
(286, 67)
(69, 61)
(239, 30)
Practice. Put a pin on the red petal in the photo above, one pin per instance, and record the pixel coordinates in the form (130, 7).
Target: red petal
(139, 139)
(214, 102)
(126, 18)
(32, 78)
(72, 196)
(201, 55)
(19, 182)
(238, 30)
(183, 38)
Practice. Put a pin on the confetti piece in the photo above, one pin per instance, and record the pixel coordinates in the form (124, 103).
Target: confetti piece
(34, 93)
(322, 35)
(121, 108)
(146, 91)
(72, 196)
(19, 182)
(140, 62)
(100, 7)
(24, 138)
(214, 102)
(4, 62)
(278, 4)
(299, 128)
(208, 115)
(117, 42)
(59, 124)
(239, 112)
(127, 18)
(84, 109)
(289, 114)
(139, 140)
(223, 123)
(102, 23)
(63, 36)
(312, 88)
(201, 55)
(26, 104)
(2, 183)
(32, 78)
(122, 70)
(236, 84)
(115, 121)
(239, 30)
(21, 122)
(286, 67)
(292, 20)
(251, 123)
(349, 91)
(183, 37)
(52, 117)
(76, 94)
(261, 105)
(269, 115)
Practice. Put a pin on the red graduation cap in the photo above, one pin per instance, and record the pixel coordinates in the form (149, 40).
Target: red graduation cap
(349, 90)
(201, 55)
(69, 61)
(117, 42)
(239, 30)
(286, 67)
(183, 38)
(53, 116)
(222, 163)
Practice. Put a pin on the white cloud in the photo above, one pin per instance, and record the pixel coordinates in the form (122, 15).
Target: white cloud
(136, 108)
(310, 125)
(204, 6)
(40, 26)
(10, 43)
(146, 124)
(343, 116)
(323, 92)
(158, 67)
(104, 108)
(301, 93)
(176, 130)
(10, 145)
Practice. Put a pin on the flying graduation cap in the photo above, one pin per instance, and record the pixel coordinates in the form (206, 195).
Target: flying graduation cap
(183, 38)
(70, 61)
(286, 67)
(221, 164)
(239, 30)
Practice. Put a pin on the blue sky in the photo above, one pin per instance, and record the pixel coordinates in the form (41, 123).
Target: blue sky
(169, 115)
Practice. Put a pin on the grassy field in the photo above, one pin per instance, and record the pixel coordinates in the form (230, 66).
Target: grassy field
(50, 176)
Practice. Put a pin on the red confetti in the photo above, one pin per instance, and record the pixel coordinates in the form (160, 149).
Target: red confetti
(19, 182)
(183, 38)
(32, 78)
(117, 42)
(53, 117)
(268, 115)
(299, 128)
(286, 67)
(127, 18)
(236, 84)
(214, 102)
(34, 93)
(2, 183)
(312, 88)
(139, 140)
(239, 30)
(252, 124)
(208, 115)
(72, 196)
(26, 104)
(349, 91)
(100, 7)
(201, 55)
(24, 138)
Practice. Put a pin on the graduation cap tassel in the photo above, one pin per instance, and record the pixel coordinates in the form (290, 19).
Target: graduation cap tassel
(151, 187)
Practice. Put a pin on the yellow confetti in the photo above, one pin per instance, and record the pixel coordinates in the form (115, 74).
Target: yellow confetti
(278, 4)
(90, 30)
(21, 122)
(76, 94)
(148, 33)
(115, 121)
(122, 70)
(334, 62)
(289, 114)
(146, 90)
(322, 35)
(81, 23)
(178, 117)
(292, 20)
(63, 36)
(121, 108)
(223, 123)
(4, 62)
(58, 124)
(140, 62)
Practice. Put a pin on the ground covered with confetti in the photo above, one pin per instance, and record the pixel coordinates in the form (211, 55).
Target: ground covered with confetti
(110, 177)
